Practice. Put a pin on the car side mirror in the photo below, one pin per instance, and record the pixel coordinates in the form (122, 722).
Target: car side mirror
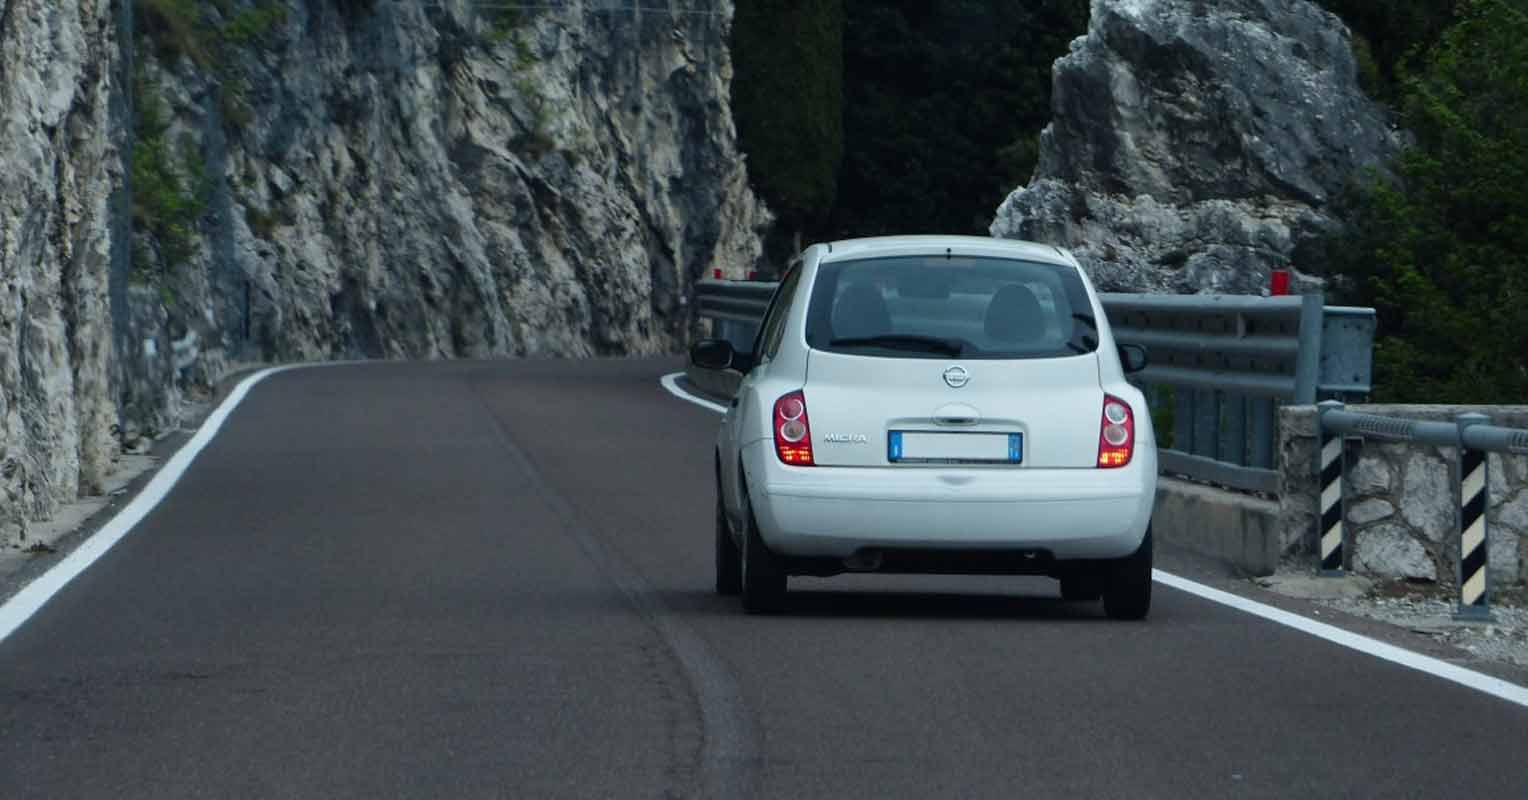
(1133, 358)
(712, 354)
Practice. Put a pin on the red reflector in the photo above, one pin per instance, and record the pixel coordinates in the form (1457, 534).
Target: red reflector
(716, 273)
(1278, 283)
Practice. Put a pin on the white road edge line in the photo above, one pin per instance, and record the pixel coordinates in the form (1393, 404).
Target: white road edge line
(1454, 673)
(671, 383)
(36, 594)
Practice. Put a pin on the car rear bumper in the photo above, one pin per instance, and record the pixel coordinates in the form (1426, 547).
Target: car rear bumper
(835, 512)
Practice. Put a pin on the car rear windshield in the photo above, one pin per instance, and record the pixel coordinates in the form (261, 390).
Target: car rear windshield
(950, 307)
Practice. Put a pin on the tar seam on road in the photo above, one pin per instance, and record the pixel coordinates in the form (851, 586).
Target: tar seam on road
(36, 594)
(728, 730)
(1453, 673)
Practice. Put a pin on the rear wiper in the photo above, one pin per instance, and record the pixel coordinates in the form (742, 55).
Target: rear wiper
(929, 344)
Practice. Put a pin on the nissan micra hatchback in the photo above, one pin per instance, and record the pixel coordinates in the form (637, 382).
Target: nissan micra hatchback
(939, 405)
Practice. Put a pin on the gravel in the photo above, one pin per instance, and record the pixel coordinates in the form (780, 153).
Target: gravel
(1421, 607)
(1505, 639)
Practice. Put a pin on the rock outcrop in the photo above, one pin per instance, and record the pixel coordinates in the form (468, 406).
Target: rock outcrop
(329, 179)
(59, 175)
(1195, 146)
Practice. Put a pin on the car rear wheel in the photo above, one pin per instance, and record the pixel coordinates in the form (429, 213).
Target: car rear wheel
(729, 561)
(763, 581)
(1128, 593)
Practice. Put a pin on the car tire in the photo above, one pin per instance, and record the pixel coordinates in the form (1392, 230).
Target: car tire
(729, 560)
(763, 581)
(1082, 588)
(1128, 593)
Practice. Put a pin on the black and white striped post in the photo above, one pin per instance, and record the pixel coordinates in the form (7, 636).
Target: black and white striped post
(1473, 478)
(1329, 465)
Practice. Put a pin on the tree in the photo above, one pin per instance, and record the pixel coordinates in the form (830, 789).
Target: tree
(945, 101)
(787, 98)
(1393, 34)
(1441, 249)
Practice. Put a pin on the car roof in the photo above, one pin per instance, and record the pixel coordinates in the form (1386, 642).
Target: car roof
(884, 246)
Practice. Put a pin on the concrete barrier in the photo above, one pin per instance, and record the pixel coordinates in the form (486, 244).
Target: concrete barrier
(1231, 527)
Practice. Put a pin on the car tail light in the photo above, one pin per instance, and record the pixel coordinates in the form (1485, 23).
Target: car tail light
(793, 433)
(1116, 435)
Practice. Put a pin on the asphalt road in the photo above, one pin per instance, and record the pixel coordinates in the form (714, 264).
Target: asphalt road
(493, 580)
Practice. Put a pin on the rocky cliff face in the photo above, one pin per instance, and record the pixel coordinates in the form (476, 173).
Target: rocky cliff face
(59, 172)
(317, 179)
(1195, 146)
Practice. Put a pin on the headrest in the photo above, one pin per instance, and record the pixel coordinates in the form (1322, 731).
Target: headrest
(860, 312)
(1014, 315)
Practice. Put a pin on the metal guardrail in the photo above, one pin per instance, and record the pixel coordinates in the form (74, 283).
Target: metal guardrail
(1220, 366)
(1224, 363)
(1471, 435)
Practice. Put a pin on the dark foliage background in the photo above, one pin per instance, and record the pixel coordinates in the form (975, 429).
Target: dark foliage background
(1440, 247)
(939, 106)
(904, 116)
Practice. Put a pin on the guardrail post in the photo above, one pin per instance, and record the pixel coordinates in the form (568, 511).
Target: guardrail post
(1263, 412)
(1233, 438)
(1329, 464)
(1206, 423)
(1472, 478)
(1183, 419)
(1308, 359)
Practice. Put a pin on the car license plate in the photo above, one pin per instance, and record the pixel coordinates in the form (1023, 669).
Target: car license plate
(920, 447)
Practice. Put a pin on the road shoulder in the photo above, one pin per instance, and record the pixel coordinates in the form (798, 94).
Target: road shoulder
(51, 541)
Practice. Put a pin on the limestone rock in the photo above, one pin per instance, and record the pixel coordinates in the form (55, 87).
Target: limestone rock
(59, 168)
(1371, 475)
(1513, 514)
(1367, 511)
(1427, 495)
(1391, 551)
(1194, 146)
(1503, 561)
(381, 180)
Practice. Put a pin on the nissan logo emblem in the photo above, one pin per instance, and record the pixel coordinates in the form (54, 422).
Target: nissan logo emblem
(957, 376)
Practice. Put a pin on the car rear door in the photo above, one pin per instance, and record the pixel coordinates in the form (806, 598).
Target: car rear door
(861, 407)
(939, 359)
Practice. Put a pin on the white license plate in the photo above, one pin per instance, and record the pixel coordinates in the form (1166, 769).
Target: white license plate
(903, 447)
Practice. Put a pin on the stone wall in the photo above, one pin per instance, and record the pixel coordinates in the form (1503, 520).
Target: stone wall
(1401, 500)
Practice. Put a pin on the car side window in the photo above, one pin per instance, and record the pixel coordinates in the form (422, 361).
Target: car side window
(772, 330)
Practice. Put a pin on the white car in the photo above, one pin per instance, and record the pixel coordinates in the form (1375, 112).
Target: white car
(935, 404)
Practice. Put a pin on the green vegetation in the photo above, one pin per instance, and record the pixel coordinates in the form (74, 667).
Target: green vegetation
(787, 98)
(1390, 36)
(894, 115)
(168, 188)
(168, 185)
(185, 27)
(175, 27)
(945, 104)
(252, 24)
(261, 223)
(539, 140)
(502, 23)
(1441, 247)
